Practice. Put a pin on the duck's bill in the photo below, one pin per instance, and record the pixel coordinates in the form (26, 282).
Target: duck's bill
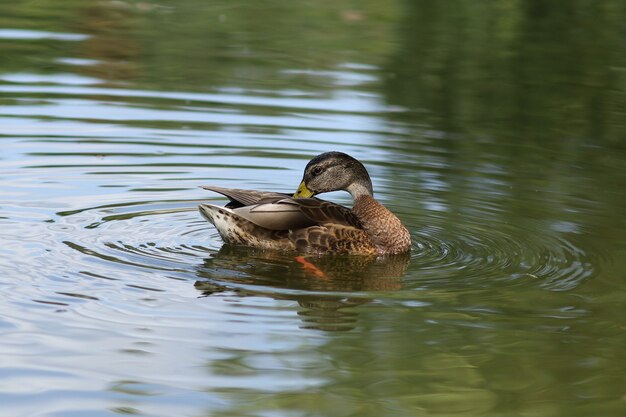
(303, 192)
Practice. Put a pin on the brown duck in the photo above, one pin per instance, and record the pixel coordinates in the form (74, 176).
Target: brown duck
(310, 225)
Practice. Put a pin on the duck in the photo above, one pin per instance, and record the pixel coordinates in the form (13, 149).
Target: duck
(306, 224)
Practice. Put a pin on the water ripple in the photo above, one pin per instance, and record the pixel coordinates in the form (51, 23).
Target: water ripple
(171, 237)
(478, 256)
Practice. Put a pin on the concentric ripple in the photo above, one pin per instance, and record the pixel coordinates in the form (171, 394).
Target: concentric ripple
(168, 236)
(480, 256)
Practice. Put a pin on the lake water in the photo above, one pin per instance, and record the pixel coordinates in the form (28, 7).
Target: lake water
(496, 132)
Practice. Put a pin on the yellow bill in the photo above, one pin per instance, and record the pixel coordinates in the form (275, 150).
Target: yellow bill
(303, 192)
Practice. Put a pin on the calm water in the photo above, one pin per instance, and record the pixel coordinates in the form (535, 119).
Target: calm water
(497, 132)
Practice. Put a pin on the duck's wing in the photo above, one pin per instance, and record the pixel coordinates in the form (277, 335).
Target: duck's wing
(326, 212)
(281, 214)
(278, 211)
(292, 214)
(240, 198)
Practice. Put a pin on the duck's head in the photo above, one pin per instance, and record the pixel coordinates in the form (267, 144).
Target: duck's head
(333, 171)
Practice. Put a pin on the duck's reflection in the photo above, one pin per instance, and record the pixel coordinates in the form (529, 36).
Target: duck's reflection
(314, 282)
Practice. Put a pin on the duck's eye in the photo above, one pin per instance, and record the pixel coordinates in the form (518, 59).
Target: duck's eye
(317, 171)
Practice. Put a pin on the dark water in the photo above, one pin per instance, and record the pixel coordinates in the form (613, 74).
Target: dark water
(496, 132)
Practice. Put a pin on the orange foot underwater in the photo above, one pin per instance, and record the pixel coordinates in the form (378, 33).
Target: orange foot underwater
(309, 268)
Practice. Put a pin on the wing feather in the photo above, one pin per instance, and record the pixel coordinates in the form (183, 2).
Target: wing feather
(278, 211)
(246, 197)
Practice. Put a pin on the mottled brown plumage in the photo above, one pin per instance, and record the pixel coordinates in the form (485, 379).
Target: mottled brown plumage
(381, 225)
(310, 225)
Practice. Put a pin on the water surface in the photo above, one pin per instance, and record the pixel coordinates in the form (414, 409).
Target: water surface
(495, 132)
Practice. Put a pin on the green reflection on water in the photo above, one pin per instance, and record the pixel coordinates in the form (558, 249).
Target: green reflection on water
(529, 71)
(192, 44)
(516, 109)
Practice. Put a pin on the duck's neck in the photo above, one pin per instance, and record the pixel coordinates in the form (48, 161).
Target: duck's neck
(386, 230)
(366, 208)
(359, 189)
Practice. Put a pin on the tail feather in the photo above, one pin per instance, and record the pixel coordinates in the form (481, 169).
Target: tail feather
(237, 230)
